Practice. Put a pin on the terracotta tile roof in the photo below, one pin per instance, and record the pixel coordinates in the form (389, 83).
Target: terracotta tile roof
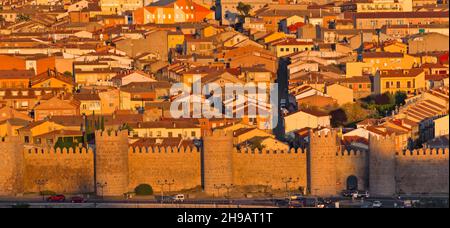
(417, 14)
(382, 55)
(16, 74)
(401, 73)
(51, 74)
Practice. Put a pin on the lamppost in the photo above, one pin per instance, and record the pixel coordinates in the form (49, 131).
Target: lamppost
(40, 183)
(286, 181)
(269, 186)
(228, 188)
(162, 183)
(170, 183)
(162, 190)
(218, 187)
(294, 181)
(102, 186)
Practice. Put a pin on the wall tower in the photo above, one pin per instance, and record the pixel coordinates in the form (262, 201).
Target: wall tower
(382, 165)
(322, 163)
(111, 163)
(217, 160)
(11, 166)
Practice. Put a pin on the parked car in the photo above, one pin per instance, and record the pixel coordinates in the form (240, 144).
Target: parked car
(377, 204)
(348, 193)
(362, 194)
(77, 199)
(296, 197)
(56, 198)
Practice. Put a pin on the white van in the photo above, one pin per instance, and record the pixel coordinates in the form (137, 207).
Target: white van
(178, 198)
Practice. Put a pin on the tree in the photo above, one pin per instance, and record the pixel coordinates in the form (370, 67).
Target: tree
(68, 74)
(22, 17)
(143, 190)
(400, 98)
(244, 9)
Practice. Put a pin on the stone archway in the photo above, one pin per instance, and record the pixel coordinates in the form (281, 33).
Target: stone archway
(352, 183)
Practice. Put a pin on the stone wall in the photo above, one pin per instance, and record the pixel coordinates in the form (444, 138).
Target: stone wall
(150, 165)
(270, 168)
(423, 171)
(217, 160)
(11, 169)
(322, 163)
(66, 171)
(351, 163)
(382, 165)
(111, 163)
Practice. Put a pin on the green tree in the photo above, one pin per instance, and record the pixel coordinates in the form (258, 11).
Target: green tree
(400, 98)
(68, 73)
(23, 17)
(244, 9)
(143, 190)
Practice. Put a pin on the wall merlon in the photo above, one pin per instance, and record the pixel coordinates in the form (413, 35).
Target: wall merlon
(105, 135)
(351, 153)
(425, 152)
(59, 151)
(162, 150)
(292, 151)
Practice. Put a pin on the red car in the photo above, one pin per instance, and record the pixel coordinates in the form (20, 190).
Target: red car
(77, 199)
(56, 198)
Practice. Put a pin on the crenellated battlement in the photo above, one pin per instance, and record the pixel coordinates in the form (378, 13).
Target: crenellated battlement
(351, 153)
(219, 133)
(59, 151)
(163, 150)
(377, 139)
(320, 136)
(292, 151)
(425, 153)
(110, 135)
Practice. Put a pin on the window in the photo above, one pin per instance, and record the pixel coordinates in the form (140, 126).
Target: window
(387, 85)
(27, 139)
(158, 134)
(193, 134)
(409, 85)
(360, 86)
(170, 134)
(398, 85)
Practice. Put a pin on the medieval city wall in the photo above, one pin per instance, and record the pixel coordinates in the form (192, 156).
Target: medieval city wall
(423, 171)
(11, 166)
(351, 163)
(268, 167)
(150, 165)
(65, 171)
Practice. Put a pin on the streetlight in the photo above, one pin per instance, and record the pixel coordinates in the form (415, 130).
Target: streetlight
(218, 187)
(296, 180)
(286, 181)
(162, 190)
(162, 183)
(101, 186)
(170, 183)
(40, 183)
(228, 187)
